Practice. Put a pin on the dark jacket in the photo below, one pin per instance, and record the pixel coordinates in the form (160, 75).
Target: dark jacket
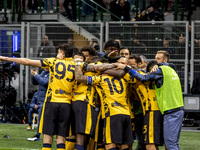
(155, 16)
(122, 12)
(42, 80)
(46, 51)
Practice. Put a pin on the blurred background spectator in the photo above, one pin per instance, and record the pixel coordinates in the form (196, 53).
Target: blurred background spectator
(95, 44)
(155, 15)
(32, 7)
(167, 46)
(139, 47)
(46, 6)
(46, 49)
(70, 41)
(120, 8)
(141, 17)
(71, 16)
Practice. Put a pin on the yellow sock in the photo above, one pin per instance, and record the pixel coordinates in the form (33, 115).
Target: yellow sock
(66, 143)
(70, 145)
(46, 148)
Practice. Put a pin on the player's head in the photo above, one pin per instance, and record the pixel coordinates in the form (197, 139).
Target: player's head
(135, 61)
(79, 55)
(144, 62)
(123, 60)
(89, 52)
(150, 65)
(110, 46)
(95, 59)
(162, 56)
(124, 52)
(65, 49)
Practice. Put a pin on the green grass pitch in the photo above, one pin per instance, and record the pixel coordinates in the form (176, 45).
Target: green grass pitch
(18, 139)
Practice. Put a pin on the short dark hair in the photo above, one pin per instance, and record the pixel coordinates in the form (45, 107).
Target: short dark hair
(66, 48)
(151, 64)
(136, 57)
(80, 54)
(127, 49)
(89, 49)
(111, 43)
(96, 59)
(150, 6)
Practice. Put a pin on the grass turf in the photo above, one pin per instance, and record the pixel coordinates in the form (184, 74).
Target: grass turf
(18, 139)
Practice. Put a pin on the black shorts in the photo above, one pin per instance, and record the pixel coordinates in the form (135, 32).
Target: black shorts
(139, 123)
(118, 130)
(56, 119)
(133, 128)
(153, 128)
(85, 117)
(99, 129)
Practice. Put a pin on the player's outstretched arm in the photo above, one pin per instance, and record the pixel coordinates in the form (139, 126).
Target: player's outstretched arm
(23, 61)
(112, 72)
(79, 74)
(100, 67)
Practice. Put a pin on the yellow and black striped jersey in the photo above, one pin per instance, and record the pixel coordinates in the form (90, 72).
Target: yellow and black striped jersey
(141, 91)
(61, 79)
(146, 93)
(151, 103)
(113, 94)
(84, 92)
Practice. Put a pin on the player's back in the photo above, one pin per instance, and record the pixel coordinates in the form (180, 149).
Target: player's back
(61, 79)
(113, 95)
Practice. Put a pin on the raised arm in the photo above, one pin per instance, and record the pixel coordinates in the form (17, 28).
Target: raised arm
(79, 74)
(100, 67)
(144, 78)
(23, 61)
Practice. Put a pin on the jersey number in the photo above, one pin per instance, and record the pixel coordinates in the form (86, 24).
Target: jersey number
(114, 85)
(61, 74)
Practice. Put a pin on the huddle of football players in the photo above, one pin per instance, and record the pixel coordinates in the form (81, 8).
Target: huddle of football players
(106, 100)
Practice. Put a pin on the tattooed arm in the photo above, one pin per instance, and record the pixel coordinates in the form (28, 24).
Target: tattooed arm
(100, 67)
(79, 75)
(116, 73)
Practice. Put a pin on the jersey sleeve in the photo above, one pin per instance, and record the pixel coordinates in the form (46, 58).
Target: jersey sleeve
(47, 62)
(129, 79)
(93, 80)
